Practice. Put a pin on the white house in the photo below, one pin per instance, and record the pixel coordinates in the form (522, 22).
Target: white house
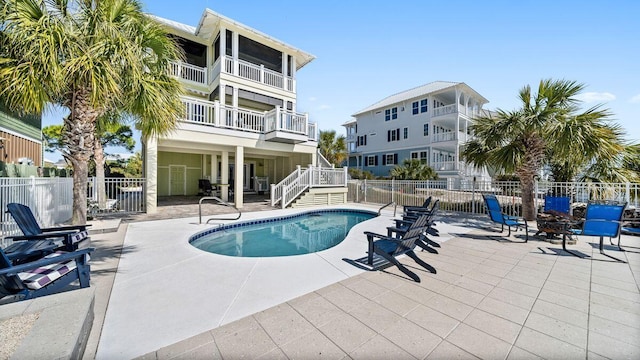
(241, 128)
(429, 123)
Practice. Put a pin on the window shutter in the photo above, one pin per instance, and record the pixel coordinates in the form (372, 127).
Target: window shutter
(366, 161)
(395, 159)
(375, 161)
(398, 134)
(365, 140)
(384, 159)
(388, 135)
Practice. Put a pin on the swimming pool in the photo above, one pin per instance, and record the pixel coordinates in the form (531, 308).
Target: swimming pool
(297, 234)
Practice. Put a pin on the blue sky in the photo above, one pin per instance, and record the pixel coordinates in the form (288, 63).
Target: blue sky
(368, 50)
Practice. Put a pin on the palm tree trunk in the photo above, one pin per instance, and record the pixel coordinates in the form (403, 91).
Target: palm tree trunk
(98, 158)
(78, 137)
(528, 203)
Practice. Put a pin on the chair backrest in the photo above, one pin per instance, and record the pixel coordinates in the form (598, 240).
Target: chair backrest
(426, 203)
(204, 184)
(24, 219)
(603, 219)
(493, 207)
(558, 203)
(416, 230)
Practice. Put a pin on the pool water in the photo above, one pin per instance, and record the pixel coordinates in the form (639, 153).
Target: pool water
(299, 234)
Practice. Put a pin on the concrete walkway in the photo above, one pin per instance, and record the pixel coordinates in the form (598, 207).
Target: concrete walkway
(491, 298)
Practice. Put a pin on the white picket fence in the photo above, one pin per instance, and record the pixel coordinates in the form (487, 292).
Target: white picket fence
(50, 199)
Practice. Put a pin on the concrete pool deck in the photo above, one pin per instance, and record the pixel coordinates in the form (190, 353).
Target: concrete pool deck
(491, 298)
(166, 290)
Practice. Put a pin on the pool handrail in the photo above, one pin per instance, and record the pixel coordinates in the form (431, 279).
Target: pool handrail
(395, 207)
(220, 202)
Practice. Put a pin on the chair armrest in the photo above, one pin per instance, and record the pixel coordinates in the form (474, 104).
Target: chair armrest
(61, 234)
(69, 227)
(14, 270)
(403, 222)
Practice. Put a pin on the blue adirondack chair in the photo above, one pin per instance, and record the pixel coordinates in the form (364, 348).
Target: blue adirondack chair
(602, 219)
(45, 276)
(424, 207)
(390, 247)
(71, 235)
(495, 214)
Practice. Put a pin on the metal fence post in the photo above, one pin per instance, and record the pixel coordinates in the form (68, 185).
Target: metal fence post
(473, 196)
(365, 190)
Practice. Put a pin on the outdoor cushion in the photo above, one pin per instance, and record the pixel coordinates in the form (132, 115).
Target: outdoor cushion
(42, 276)
(79, 236)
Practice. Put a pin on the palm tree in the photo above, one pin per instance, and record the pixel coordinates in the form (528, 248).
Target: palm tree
(549, 129)
(333, 148)
(413, 169)
(91, 57)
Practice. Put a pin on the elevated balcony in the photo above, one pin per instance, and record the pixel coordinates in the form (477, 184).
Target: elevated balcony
(189, 73)
(450, 136)
(257, 73)
(453, 109)
(276, 125)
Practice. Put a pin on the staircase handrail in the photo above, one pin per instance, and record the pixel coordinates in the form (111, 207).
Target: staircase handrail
(298, 186)
(276, 190)
(322, 161)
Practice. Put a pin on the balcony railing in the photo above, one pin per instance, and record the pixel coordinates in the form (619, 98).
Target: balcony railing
(444, 110)
(444, 166)
(188, 72)
(222, 116)
(240, 68)
(441, 137)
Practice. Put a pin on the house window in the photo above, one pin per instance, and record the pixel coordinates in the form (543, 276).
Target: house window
(406, 133)
(419, 155)
(390, 159)
(425, 129)
(371, 160)
(393, 135)
(394, 113)
(414, 107)
(387, 115)
(423, 105)
(362, 140)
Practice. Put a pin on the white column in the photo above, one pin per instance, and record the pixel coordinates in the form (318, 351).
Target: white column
(235, 50)
(223, 47)
(224, 176)
(214, 168)
(238, 192)
(151, 174)
(284, 65)
(223, 94)
(293, 72)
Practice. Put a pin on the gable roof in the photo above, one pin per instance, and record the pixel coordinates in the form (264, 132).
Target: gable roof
(417, 92)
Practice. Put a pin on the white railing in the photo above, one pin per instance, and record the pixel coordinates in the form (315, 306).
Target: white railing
(214, 114)
(123, 195)
(443, 166)
(242, 119)
(283, 120)
(50, 200)
(199, 111)
(444, 110)
(447, 136)
(313, 131)
(466, 195)
(322, 161)
(188, 72)
(301, 179)
(258, 73)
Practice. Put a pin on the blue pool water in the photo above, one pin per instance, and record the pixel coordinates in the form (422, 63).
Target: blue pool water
(283, 236)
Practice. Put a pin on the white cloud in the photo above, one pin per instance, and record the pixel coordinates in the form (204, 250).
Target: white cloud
(324, 107)
(635, 99)
(591, 97)
(313, 98)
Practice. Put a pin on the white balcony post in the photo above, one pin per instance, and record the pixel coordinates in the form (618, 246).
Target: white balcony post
(284, 191)
(216, 113)
(261, 74)
(346, 175)
(279, 124)
(273, 194)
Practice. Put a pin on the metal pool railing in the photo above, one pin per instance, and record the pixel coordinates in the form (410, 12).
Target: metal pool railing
(466, 196)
